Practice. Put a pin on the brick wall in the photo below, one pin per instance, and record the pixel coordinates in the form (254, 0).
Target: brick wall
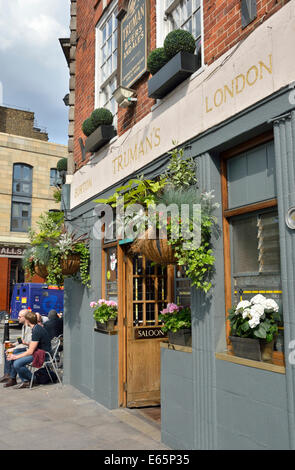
(222, 30)
(19, 122)
(223, 26)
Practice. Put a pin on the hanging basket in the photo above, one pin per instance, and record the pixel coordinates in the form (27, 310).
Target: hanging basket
(71, 265)
(41, 271)
(159, 251)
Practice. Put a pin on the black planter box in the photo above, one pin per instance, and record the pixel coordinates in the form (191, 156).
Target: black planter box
(246, 347)
(173, 73)
(107, 326)
(182, 337)
(99, 138)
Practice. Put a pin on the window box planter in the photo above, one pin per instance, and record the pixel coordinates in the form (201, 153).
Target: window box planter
(178, 69)
(254, 349)
(107, 326)
(101, 136)
(181, 337)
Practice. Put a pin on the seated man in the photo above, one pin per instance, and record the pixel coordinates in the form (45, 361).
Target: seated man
(39, 319)
(9, 377)
(40, 340)
(54, 325)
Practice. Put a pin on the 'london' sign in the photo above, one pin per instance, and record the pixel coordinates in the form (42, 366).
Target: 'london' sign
(134, 42)
(149, 333)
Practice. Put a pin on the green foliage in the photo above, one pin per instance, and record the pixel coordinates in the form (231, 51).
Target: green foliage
(57, 195)
(181, 172)
(51, 244)
(101, 116)
(136, 191)
(177, 320)
(156, 60)
(62, 164)
(104, 311)
(88, 127)
(179, 40)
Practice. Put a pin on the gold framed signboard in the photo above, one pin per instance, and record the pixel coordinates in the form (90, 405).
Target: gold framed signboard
(134, 42)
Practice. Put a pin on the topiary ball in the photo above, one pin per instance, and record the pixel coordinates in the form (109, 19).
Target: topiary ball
(179, 40)
(101, 116)
(156, 60)
(88, 127)
(62, 164)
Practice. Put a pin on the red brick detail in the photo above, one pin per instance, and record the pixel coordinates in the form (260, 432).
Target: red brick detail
(4, 283)
(223, 24)
(222, 30)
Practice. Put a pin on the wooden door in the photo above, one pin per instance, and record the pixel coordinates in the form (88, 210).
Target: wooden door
(147, 293)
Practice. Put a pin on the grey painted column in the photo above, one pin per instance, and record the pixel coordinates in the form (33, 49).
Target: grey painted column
(207, 324)
(284, 131)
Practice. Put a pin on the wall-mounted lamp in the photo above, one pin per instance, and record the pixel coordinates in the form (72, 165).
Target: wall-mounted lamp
(125, 96)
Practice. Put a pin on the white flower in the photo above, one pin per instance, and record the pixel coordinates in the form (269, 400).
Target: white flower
(271, 304)
(258, 299)
(246, 313)
(254, 321)
(243, 304)
(257, 310)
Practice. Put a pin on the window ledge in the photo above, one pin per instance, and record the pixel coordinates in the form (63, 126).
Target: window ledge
(176, 347)
(105, 332)
(225, 356)
(159, 102)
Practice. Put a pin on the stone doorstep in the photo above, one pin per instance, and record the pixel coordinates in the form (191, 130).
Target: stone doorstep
(139, 422)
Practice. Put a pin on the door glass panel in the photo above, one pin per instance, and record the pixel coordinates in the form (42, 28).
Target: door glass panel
(149, 291)
(111, 279)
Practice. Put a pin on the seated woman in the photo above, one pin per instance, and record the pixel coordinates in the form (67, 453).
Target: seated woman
(40, 340)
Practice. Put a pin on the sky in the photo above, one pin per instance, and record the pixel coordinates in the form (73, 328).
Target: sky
(33, 70)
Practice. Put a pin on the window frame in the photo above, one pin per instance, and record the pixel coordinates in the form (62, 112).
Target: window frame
(21, 197)
(228, 214)
(56, 177)
(99, 83)
(163, 26)
(29, 218)
(22, 181)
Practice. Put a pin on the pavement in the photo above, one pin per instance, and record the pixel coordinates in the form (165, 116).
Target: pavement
(55, 417)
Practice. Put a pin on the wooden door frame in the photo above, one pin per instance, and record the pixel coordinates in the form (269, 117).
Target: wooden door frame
(123, 261)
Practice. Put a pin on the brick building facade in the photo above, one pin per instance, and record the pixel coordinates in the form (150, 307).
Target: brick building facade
(28, 174)
(234, 115)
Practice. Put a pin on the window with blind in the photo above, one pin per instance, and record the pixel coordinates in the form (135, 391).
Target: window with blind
(251, 228)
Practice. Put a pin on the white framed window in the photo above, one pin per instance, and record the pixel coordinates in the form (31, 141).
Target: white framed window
(180, 14)
(106, 60)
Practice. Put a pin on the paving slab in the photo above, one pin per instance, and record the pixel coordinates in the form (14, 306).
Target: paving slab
(54, 417)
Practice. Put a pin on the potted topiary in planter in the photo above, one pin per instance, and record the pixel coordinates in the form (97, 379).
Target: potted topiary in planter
(177, 324)
(105, 314)
(62, 167)
(173, 64)
(98, 129)
(254, 327)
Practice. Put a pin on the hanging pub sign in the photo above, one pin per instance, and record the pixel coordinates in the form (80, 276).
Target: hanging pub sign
(149, 333)
(134, 43)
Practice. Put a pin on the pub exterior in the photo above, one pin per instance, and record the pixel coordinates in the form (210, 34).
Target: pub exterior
(235, 116)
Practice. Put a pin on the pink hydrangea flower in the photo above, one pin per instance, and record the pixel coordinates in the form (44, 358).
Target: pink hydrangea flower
(93, 304)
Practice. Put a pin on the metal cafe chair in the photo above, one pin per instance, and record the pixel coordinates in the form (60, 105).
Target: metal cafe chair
(55, 343)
